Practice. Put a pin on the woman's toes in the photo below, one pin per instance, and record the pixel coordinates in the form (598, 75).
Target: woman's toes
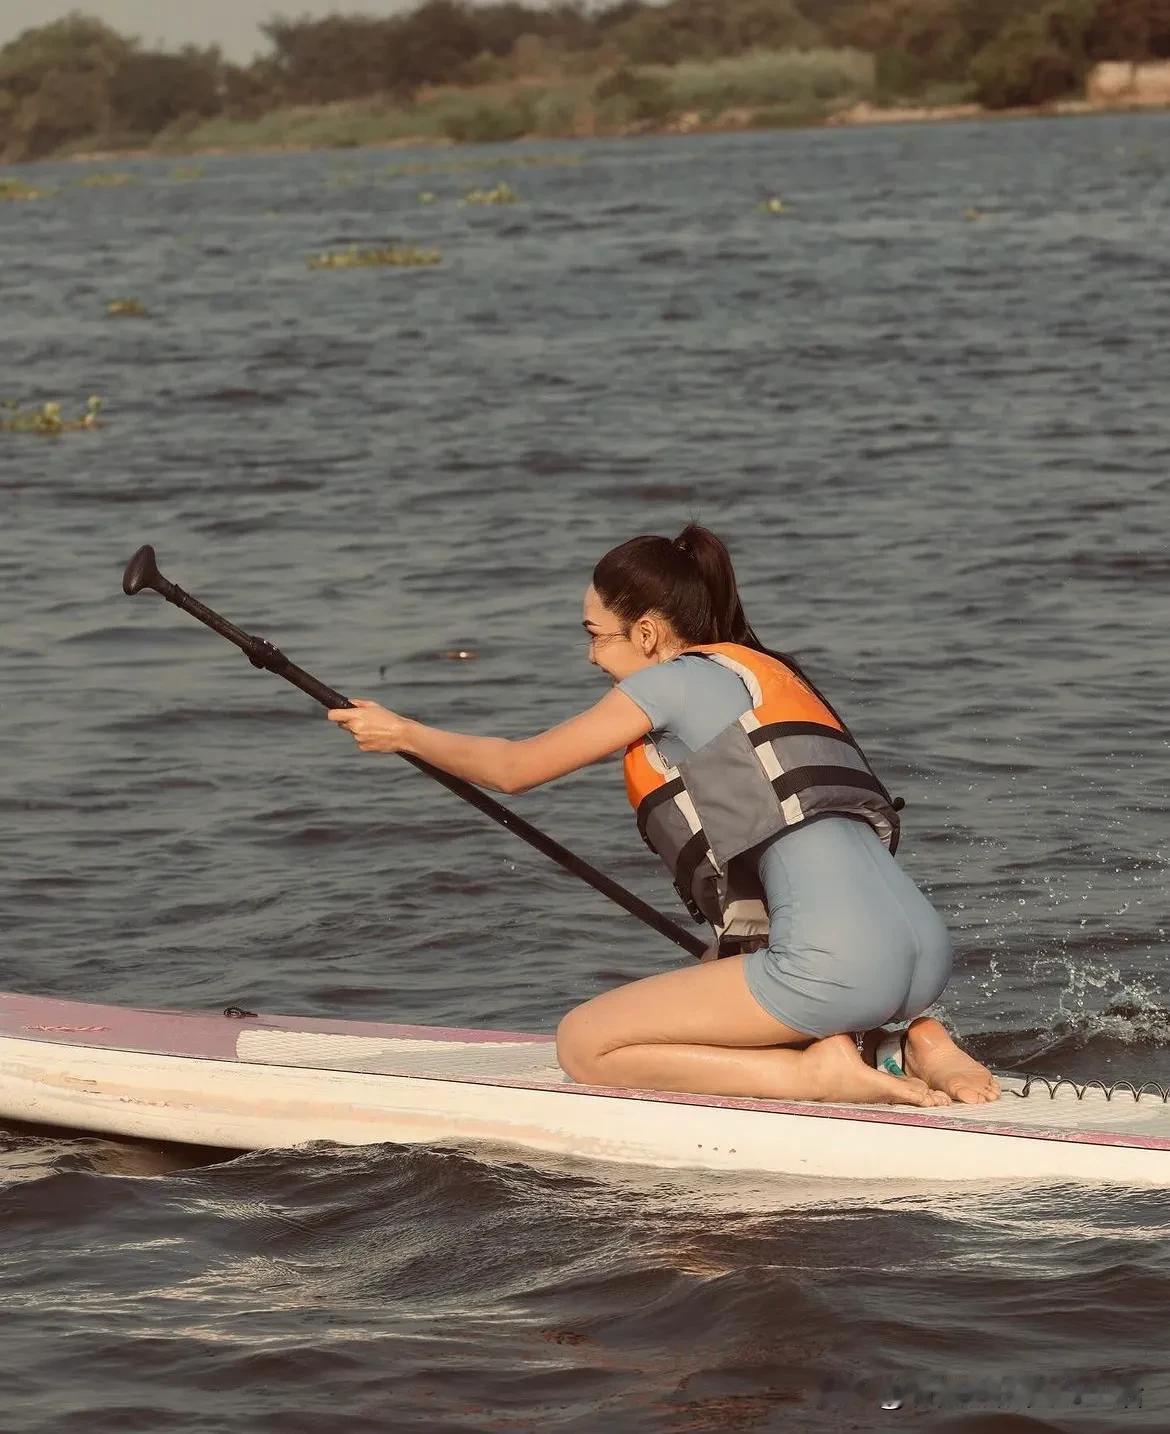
(933, 1056)
(917, 1092)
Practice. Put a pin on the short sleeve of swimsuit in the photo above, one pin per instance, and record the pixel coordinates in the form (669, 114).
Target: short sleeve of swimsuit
(688, 700)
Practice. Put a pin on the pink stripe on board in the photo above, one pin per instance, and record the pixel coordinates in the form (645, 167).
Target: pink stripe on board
(205, 1034)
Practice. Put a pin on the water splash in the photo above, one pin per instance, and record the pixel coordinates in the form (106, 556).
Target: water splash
(1134, 1016)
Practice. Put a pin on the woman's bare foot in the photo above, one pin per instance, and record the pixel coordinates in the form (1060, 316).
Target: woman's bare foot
(933, 1057)
(839, 1073)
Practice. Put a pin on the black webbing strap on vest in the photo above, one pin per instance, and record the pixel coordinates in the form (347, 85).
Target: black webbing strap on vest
(689, 858)
(790, 784)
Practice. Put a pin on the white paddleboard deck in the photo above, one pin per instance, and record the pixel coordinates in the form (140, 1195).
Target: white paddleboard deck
(249, 1082)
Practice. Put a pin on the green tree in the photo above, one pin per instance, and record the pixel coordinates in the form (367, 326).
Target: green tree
(641, 96)
(248, 90)
(434, 42)
(150, 90)
(339, 57)
(567, 27)
(985, 21)
(707, 29)
(57, 81)
(63, 107)
(77, 45)
(877, 25)
(347, 56)
(1026, 63)
(1069, 24)
(1130, 30)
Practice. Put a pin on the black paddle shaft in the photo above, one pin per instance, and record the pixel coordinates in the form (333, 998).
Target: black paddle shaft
(142, 572)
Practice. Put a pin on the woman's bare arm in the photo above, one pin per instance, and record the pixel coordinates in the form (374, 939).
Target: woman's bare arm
(495, 762)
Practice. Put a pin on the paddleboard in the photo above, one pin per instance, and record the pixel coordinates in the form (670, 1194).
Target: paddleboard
(240, 1080)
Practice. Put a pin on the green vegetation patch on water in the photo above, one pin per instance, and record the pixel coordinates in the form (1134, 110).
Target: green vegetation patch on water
(404, 257)
(17, 191)
(107, 179)
(127, 309)
(499, 194)
(47, 419)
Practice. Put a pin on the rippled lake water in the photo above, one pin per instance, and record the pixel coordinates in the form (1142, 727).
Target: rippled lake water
(926, 406)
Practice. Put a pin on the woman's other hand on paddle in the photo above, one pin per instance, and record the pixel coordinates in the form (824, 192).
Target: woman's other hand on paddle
(373, 727)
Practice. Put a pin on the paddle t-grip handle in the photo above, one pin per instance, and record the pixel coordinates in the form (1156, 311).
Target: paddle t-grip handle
(142, 572)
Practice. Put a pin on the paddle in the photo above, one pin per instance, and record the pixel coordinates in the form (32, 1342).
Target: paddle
(142, 572)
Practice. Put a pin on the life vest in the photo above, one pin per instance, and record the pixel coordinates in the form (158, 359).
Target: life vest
(785, 762)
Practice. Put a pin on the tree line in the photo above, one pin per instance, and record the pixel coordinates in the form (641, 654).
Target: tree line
(78, 78)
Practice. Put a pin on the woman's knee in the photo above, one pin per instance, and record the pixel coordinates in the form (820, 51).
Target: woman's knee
(577, 1046)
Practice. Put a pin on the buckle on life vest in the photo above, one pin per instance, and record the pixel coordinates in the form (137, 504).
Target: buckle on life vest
(740, 945)
(691, 905)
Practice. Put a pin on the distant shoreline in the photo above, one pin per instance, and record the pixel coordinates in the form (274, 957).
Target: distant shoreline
(741, 120)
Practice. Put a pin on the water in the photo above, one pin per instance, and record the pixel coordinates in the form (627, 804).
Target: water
(925, 406)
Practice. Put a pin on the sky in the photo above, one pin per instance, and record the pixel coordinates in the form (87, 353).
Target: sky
(231, 24)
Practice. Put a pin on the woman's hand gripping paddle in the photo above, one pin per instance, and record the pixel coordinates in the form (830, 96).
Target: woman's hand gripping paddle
(142, 572)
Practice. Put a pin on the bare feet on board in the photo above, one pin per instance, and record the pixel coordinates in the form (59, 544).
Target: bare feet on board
(840, 1073)
(933, 1057)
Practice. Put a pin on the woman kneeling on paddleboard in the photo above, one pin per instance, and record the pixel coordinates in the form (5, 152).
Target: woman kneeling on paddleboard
(748, 784)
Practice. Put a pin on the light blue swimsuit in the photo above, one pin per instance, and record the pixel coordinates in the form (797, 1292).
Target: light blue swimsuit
(853, 943)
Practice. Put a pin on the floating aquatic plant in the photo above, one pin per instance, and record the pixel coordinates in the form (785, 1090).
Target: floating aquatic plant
(354, 258)
(16, 189)
(426, 197)
(187, 172)
(126, 309)
(775, 205)
(501, 194)
(107, 179)
(47, 418)
(973, 216)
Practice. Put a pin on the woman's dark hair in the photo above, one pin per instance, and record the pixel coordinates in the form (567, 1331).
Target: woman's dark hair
(688, 580)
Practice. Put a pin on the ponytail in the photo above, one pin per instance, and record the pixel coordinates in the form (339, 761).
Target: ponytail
(690, 581)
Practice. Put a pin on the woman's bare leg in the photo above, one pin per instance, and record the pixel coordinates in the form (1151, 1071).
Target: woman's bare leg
(932, 1056)
(700, 1029)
